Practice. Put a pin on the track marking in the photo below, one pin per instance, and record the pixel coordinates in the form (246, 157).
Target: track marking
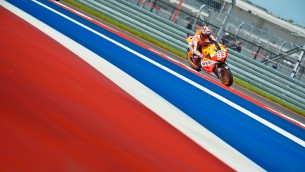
(219, 97)
(153, 101)
(182, 65)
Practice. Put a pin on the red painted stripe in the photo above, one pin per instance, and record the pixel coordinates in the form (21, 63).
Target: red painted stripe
(60, 114)
(177, 63)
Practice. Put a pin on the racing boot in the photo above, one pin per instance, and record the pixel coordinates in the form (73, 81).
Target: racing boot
(195, 59)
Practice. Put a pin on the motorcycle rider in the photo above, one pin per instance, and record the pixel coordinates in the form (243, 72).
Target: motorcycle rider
(202, 37)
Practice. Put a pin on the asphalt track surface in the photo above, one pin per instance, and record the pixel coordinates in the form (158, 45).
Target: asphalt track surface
(60, 114)
(44, 99)
(280, 110)
(276, 108)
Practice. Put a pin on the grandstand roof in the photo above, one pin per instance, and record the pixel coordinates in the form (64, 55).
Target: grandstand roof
(294, 29)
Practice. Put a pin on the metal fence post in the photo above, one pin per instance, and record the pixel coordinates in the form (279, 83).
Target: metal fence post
(297, 65)
(177, 11)
(153, 5)
(239, 27)
(225, 20)
(200, 9)
(257, 51)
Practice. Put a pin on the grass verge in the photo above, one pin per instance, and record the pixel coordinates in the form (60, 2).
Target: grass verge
(181, 54)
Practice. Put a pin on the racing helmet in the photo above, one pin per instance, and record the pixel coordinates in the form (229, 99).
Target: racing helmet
(205, 32)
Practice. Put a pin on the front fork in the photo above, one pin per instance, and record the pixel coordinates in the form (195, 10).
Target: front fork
(215, 70)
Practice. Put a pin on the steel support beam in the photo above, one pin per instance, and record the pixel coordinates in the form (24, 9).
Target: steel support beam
(225, 20)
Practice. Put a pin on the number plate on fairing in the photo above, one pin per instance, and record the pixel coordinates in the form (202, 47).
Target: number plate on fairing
(220, 55)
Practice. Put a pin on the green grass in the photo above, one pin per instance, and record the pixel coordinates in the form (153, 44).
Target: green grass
(181, 54)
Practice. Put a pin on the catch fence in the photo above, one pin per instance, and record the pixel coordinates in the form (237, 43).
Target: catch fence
(246, 39)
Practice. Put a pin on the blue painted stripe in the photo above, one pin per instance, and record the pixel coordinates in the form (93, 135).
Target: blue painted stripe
(261, 144)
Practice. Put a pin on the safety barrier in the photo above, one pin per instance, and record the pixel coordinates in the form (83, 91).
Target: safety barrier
(244, 68)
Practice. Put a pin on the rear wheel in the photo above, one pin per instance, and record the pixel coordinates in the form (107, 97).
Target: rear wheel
(193, 62)
(225, 74)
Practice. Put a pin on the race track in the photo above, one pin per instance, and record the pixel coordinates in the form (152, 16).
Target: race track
(78, 97)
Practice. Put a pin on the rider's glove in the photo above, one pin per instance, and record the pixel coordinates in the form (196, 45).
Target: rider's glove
(218, 48)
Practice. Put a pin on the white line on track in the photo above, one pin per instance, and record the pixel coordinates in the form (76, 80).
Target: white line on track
(153, 101)
(219, 97)
(302, 125)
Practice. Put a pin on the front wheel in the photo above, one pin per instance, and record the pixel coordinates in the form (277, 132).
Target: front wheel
(225, 74)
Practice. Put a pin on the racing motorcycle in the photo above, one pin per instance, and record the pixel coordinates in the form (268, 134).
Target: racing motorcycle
(214, 61)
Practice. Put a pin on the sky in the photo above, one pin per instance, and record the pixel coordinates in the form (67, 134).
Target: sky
(287, 9)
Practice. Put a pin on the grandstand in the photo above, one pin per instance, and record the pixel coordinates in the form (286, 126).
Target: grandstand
(261, 35)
